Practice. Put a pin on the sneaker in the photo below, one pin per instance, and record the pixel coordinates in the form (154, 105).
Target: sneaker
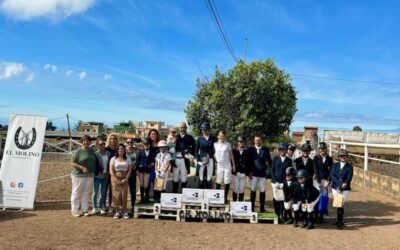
(117, 215)
(102, 211)
(95, 211)
(125, 215)
(86, 214)
(76, 214)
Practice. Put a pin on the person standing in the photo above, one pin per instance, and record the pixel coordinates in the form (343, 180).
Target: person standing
(291, 150)
(205, 155)
(101, 178)
(84, 163)
(241, 157)
(120, 170)
(162, 165)
(131, 151)
(145, 162)
(322, 166)
(278, 174)
(305, 162)
(340, 180)
(225, 163)
(154, 136)
(185, 144)
(260, 158)
(111, 147)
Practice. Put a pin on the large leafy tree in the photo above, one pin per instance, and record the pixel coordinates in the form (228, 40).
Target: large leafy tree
(249, 99)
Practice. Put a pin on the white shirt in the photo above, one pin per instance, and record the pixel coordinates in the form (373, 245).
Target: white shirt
(222, 153)
(283, 158)
(104, 159)
(121, 165)
(342, 165)
(258, 149)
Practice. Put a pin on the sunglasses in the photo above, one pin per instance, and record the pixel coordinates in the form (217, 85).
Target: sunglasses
(129, 142)
(102, 144)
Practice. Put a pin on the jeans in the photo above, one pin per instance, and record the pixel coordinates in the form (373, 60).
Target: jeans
(102, 184)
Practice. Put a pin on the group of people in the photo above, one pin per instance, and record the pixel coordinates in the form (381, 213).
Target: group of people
(297, 183)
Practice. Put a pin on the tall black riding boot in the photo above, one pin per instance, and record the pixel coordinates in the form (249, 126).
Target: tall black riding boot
(241, 196)
(289, 215)
(304, 216)
(234, 196)
(311, 220)
(275, 204)
(157, 195)
(227, 187)
(201, 184)
(217, 186)
(209, 184)
(296, 218)
(253, 200)
(281, 211)
(184, 185)
(146, 194)
(340, 214)
(175, 186)
(142, 199)
(262, 202)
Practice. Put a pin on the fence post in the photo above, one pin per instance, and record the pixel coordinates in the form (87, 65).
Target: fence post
(343, 144)
(330, 148)
(365, 158)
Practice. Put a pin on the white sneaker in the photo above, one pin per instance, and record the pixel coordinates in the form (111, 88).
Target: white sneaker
(125, 215)
(117, 215)
(95, 211)
(76, 214)
(86, 214)
(102, 211)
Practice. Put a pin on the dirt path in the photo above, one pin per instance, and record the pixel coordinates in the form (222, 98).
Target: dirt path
(372, 221)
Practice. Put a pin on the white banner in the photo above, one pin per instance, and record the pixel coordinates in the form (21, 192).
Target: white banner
(214, 196)
(241, 208)
(171, 200)
(192, 195)
(21, 161)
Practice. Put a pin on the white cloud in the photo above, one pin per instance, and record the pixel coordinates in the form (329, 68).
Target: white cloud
(107, 77)
(82, 75)
(53, 9)
(10, 69)
(69, 72)
(50, 67)
(30, 77)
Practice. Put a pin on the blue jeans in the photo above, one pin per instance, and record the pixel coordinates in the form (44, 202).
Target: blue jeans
(103, 184)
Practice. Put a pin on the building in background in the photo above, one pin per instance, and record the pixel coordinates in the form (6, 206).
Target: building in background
(92, 127)
(310, 135)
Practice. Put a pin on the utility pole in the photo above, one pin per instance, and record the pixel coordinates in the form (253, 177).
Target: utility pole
(69, 133)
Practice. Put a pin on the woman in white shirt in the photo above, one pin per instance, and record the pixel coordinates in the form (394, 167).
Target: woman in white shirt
(120, 170)
(225, 162)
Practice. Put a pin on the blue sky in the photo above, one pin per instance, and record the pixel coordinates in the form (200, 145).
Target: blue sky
(106, 60)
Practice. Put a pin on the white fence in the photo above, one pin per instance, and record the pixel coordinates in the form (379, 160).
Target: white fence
(366, 146)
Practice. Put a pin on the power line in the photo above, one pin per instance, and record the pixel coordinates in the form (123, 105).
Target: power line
(344, 79)
(212, 9)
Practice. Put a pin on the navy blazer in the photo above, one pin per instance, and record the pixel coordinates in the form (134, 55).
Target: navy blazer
(242, 161)
(339, 176)
(144, 162)
(205, 147)
(278, 169)
(258, 161)
(309, 193)
(322, 169)
(309, 165)
(292, 192)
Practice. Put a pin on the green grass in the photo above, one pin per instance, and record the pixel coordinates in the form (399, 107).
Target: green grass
(269, 215)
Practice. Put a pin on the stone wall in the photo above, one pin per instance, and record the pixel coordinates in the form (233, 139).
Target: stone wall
(373, 182)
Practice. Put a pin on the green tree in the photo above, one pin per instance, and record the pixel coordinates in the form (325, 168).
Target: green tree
(77, 125)
(249, 99)
(357, 128)
(50, 126)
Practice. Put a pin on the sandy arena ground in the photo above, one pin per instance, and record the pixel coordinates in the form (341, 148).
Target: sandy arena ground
(372, 222)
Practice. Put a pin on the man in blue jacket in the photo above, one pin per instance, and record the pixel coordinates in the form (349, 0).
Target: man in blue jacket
(340, 177)
(260, 160)
(205, 155)
(278, 174)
